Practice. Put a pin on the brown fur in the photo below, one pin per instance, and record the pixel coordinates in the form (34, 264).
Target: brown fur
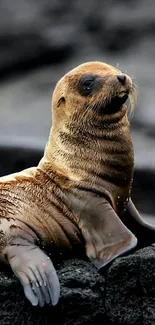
(87, 152)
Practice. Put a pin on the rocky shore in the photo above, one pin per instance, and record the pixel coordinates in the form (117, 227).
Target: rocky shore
(123, 295)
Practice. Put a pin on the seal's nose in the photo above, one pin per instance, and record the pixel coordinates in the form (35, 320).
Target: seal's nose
(121, 78)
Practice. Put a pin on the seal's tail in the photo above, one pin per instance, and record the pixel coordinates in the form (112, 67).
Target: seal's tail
(106, 237)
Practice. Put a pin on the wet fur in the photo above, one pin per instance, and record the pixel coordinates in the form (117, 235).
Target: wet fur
(86, 151)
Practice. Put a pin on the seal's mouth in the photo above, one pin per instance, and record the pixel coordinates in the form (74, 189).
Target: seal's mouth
(115, 104)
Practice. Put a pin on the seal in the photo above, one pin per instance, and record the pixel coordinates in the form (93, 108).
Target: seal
(74, 199)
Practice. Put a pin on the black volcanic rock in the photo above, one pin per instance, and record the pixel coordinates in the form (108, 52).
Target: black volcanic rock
(124, 294)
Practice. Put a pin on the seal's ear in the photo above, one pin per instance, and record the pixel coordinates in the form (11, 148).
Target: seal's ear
(61, 99)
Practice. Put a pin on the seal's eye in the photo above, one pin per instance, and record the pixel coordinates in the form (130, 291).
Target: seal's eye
(86, 85)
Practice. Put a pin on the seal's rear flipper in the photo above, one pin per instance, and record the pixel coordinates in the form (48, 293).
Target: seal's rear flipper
(144, 231)
(106, 237)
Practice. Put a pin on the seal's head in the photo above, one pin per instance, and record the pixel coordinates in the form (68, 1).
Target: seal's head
(91, 89)
(89, 121)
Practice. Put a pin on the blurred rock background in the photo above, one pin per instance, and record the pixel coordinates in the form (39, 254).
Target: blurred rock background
(42, 40)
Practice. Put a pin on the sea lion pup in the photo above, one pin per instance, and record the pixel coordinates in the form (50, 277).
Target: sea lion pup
(80, 189)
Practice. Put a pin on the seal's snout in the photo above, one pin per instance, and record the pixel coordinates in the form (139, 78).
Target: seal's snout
(122, 78)
(125, 84)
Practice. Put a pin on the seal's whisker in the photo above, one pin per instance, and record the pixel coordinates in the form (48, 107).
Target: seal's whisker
(132, 100)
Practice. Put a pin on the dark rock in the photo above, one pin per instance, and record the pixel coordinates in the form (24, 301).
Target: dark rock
(124, 294)
(143, 190)
(15, 159)
(81, 300)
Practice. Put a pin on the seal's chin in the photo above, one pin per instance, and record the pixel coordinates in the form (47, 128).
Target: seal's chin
(115, 104)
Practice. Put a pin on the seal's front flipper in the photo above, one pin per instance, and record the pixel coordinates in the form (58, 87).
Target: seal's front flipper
(35, 271)
(144, 231)
(106, 237)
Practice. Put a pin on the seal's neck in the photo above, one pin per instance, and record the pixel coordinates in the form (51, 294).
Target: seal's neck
(96, 155)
